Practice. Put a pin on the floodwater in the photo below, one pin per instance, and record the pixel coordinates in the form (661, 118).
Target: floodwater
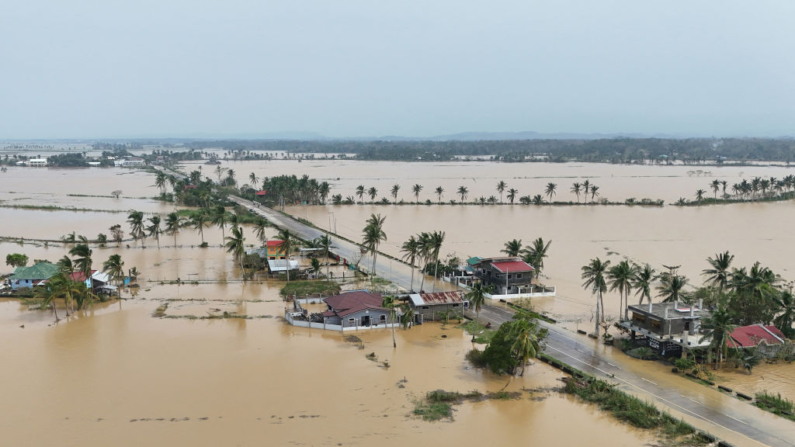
(117, 375)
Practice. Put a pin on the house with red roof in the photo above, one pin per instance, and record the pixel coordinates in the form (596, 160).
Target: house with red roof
(754, 336)
(274, 249)
(507, 275)
(358, 308)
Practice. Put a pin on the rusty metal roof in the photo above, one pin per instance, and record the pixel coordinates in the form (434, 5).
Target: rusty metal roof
(430, 299)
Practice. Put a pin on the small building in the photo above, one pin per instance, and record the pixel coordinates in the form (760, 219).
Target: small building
(282, 265)
(274, 249)
(765, 339)
(28, 277)
(668, 327)
(358, 308)
(433, 306)
(37, 162)
(507, 275)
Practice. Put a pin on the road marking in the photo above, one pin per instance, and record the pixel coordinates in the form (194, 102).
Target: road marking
(614, 366)
(647, 380)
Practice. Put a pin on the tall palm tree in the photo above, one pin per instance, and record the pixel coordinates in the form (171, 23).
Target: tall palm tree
(416, 189)
(437, 239)
(786, 306)
(254, 180)
(671, 287)
(154, 228)
(49, 292)
(407, 315)
(219, 171)
(114, 267)
(463, 191)
(324, 242)
(83, 261)
(644, 277)
(219, 218)
(136, 220)
(586, 188)
(525, 344)
(715, 185)
(160, 181)
(360, 192)
(372, 236)
(718, 275)
(372, 192)
(287, 247)
(534, 255)
(512, 194)
(235, 244)
(411, 252)
(501, 185)
(259, 229)
(620, 278)
(717, 328)
(550, 190)
(477, 298)
(63, 280)
(594, 192)
(700, 195)
(439, 193)
(512, 248)
(575, 189)
(173, 223)
(395, 190)
(425, 248)
(199, 221)
(594, 275)
(389, 303)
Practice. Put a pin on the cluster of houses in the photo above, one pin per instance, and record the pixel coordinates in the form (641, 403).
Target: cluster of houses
(273, 252)
(38, 274)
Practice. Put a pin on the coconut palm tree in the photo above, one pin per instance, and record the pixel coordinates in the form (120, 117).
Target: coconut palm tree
(83, 261)
(372, 236)
(372, 192)
(287, 247)
(425, 248)
(538, 199)
(439, 193)
(501, 187)
(512, 194)
(360, 192)
(114, 267)
(154, 229)
(512, 248)
(644, 277)
(463, 191)
(49, 292)
(411, 252)
(534, 255)
(160, 181)
(220, 218)
(390, 303)
(230, 177)
(416, 189)
(235, 244)
(437, 239)
(586, 187)
(715, 185)
(700, 195)
(620, 278)
(575, 189)
(550, 190)
(594, 192)
(173, 223)
(477, 298)
(671, 287)
(526, 344)
(786, 306)
(136, 220)
(594, 275)
(395, 190)
(719, 275)
(259, 229)
(324, 242)
(199, 221)
(717, 328)
(219, 171)
(406, 316)
(254, 180)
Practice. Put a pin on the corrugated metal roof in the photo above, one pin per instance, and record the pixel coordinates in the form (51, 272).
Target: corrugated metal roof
(752, 336)
(512, 266)
(354, 301)
(42, 270)
(430, 299)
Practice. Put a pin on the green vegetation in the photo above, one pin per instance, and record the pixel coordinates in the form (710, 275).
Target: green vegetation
(512, 346)
(433, 411)
(303, 288)
(776, 405)
(17, 260)
(757, 190)
(438, 404)
(479, 332)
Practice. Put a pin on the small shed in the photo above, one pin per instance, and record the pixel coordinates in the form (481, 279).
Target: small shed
(432, 306)
(358, 308)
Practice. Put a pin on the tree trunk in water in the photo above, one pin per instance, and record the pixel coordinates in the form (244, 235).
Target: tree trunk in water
(412, 277)
(602, 301)
(596, 328)
(435, 272)
(477, 317)
(394, 343)
(55, 311)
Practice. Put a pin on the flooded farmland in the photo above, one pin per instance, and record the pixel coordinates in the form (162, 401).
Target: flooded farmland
(125, 377)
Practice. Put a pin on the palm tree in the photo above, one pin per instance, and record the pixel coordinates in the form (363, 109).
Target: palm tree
(525, 344)
(477, 298)
(286, 246)
(316, 266)
(538, 199)
(230, 177)
(406, 316)
(360, 192)
(786, 305)
(463, 191)
(136, 220)
(594, 275)
(173, 222)
(219, 171)
(324, 242)
(411, 251)
(49, 292)
(642, 280)
(395, 190)
(715, 185)
(389, 303)
(259, 229)
(586, 186)
(535, 254)
(512, 194)
(83, 261)
(719, 274)
(424, 246)
(620, 278)
(512, 248)
(114, 267)
(700, 195)
(372, 236)
(199, 221)
(254, 180)
(671, 287)
(235, 244)
(160, 181)
(437, 239)
(219, 218)
(416, 189)
(594, 192)
(501, 187)
(154, 228)
(550, 190)
(717, 328)
(439, 193)
(575, 189)
(372, 192)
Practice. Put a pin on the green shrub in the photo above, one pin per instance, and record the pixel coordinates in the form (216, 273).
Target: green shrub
(685, 364)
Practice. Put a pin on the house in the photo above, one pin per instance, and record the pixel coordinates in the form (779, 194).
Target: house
(37, 162)
(129, 162)
(358, 308)
(668, 327)
(765, 339)
(274, 249)
(433, 306)
(507, 275)
(27, 277)
(281, 265)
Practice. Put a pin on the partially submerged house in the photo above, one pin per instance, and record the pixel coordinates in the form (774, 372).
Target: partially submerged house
(765, 339)
(434, 306)
(28, 277)
(358, 308)
(668, 327)
(506, 275)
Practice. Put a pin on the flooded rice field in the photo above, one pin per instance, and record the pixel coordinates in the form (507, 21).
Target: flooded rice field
(116, 374)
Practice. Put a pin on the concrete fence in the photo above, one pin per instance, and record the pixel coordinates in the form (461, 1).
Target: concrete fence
(291, 316)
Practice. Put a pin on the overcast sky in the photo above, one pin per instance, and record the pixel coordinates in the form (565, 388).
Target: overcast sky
(88, 69)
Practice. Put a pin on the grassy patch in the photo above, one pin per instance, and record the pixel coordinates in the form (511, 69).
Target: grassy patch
(776, 405)
(482, 335)
(433, 411)
(303, 288)
(438, 404)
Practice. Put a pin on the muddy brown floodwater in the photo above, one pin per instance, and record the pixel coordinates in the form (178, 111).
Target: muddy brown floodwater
(116, 375)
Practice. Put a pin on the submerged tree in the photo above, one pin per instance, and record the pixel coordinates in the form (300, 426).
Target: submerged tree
(594, 275)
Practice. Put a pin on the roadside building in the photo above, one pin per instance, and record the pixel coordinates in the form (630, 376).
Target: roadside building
(358, 308)
(668, 327)
(274, 249)
(433, 306)
(507, 275)
(766, 340)
(28, 277)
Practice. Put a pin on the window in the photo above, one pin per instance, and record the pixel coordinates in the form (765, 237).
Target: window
(638, 317)
(455, 305)
(351, 322)
(656, 324)
(425, 307)
(509, 276)
(383, 318)
(518, 276)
